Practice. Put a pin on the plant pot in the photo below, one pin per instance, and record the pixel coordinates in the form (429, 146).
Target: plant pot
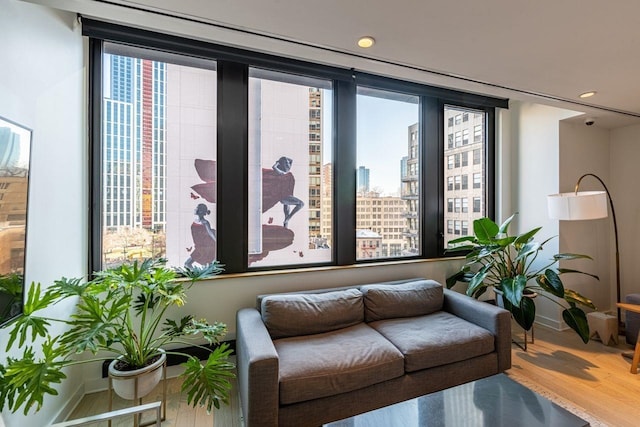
(124, 382)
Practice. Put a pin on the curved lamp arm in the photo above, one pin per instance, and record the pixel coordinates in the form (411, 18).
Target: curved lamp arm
(615, 230)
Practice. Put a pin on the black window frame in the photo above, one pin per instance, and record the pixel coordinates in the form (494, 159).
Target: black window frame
(232, 70)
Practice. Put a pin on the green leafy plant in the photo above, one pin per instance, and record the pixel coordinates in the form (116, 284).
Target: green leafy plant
(506, 264)
(119, 311)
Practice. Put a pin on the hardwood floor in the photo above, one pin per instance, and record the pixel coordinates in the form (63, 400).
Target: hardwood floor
(594, 377)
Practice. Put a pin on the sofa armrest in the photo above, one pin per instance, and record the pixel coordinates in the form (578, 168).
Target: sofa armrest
(257, 366)
(490, 317)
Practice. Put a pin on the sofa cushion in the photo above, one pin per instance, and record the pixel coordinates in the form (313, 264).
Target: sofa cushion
(435, 339)
(288, 315)
(335, 362)
(416, 298)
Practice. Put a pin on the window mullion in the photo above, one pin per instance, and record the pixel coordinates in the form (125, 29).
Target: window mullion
(344, 188)
(432, 181)
(95, 165)
(232, 184)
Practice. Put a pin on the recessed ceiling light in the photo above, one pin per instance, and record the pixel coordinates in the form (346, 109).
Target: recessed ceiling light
(588, 94)
(365, 42)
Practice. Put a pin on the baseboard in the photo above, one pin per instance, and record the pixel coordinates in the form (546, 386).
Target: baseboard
(68, 408)
(551, 323)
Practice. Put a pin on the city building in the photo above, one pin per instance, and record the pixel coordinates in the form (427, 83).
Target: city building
(410, 193)
(362, 180)
(384, 218)
(463, 172)
(134, 143)
(315, 166)
(368, 244)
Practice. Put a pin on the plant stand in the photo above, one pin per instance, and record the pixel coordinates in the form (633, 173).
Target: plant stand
(138, 400)
(523, 344)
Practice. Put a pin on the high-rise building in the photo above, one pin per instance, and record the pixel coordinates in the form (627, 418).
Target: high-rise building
(315, 165)
(410, 192)
(463, 171)
(134, 143)
(362, 180)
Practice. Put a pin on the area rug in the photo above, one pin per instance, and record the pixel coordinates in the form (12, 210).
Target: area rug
(557, 399)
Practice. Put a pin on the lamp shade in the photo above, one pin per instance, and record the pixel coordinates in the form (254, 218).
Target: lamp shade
(576, 206)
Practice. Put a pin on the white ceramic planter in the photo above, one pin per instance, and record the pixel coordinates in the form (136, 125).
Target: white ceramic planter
(148, 377)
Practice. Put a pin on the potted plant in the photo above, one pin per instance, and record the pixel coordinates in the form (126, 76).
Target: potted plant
(506, 264)
(120, 311)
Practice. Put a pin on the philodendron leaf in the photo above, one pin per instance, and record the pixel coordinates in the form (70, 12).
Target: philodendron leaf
(485, 230)
(568, 256)
(570, 270)
(551, 283)
(464, 275)
(527, 250)
(513, 288)
(477, 282)
(36, 300)
(505, 225)
(525, 237)
(174, 328)
(70, 287)
(463, 239)
(577, 320)
(209, 384)
(28, 379)
(524, 314)
(21, 328)
(573, 297)
(504, 241)
(459, 248)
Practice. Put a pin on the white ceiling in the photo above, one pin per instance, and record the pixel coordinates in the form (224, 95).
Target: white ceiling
(516, 48)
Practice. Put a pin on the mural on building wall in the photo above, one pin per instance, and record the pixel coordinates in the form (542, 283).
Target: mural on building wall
(207, 171)
(278, 185)
(203, 251)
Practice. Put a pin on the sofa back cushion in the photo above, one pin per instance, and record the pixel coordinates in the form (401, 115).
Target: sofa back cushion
(289, 315)
(409, 299)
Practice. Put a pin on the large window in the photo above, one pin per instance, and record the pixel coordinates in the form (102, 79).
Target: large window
(388, 123)
(289, 182)
(158, 157)
(203, 152)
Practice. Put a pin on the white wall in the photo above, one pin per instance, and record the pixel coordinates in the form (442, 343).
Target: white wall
(42, 87)
(585, 149)
(625, 192)
(531, 166)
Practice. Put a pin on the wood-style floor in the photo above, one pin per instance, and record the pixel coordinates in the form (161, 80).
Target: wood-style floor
(594, 377)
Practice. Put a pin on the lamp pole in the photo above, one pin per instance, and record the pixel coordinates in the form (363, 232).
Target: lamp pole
(615, 231)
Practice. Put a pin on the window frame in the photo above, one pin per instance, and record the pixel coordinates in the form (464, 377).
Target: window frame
(232, 121)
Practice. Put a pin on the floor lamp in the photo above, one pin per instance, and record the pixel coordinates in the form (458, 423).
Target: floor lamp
(586, 205)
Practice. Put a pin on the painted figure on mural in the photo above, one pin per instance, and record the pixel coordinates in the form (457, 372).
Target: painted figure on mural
(204, 239)
(277, 187)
